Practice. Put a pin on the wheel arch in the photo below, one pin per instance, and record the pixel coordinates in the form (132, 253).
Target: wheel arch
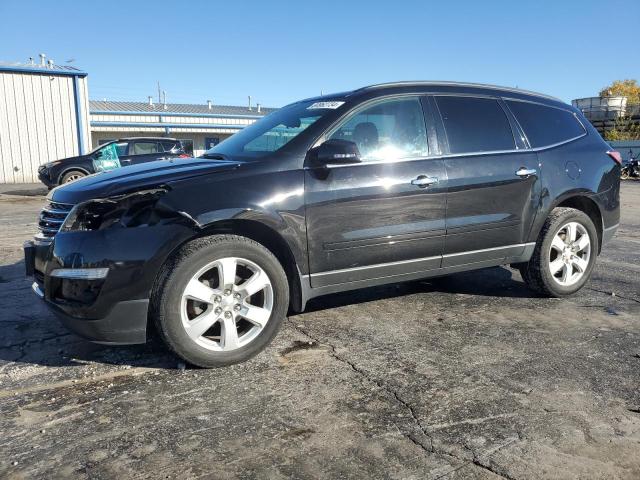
(588, 206)
(264, 235)
(72, 169)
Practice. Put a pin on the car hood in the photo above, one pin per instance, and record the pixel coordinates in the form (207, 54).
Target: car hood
(67, 160)
(136, 177)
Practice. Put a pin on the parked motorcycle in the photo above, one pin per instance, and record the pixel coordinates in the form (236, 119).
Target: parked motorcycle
(631, 169)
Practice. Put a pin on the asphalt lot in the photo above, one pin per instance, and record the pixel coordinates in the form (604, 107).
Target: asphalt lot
(466, 377)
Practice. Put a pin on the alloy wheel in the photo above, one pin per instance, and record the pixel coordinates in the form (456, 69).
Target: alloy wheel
(73, 178)
(569, 254)
(226, 304)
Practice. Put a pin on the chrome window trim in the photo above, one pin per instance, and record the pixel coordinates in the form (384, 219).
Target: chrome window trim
(553, 145)
(376, 162)
(330, 129)
(452, 155)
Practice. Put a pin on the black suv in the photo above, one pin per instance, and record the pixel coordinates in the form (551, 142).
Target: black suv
(113, 154)
(383, 184)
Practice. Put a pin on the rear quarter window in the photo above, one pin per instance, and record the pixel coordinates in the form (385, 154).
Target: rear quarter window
(544, 125)
(168, 146)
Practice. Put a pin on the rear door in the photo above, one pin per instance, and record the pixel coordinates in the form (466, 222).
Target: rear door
(143, 151)
(384, 216)
(493, 180)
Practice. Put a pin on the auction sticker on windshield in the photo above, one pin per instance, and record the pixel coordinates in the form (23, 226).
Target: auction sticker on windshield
(332, 105)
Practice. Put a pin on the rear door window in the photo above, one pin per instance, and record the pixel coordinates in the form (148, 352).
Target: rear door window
(145, 148)
(475, 124)
(544, 125)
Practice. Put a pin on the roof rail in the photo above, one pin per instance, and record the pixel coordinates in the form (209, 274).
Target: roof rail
(455, 84)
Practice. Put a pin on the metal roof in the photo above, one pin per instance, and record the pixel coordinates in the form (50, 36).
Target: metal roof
(53, 69)
(100, 106)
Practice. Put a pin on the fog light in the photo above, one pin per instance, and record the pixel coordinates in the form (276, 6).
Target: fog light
(80, 273)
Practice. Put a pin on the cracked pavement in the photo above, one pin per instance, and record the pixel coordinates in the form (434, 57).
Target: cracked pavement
(469, 376)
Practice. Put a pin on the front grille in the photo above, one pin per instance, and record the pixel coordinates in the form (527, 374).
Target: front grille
(51, 219)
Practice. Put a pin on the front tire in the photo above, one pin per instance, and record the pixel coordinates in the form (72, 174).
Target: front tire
(564, 256)
(220, 300)
(72, 176)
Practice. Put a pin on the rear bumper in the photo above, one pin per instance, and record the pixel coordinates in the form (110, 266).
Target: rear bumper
(125, 324)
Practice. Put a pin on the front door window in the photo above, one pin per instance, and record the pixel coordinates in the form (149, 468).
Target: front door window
(108, 157)
(390, 130)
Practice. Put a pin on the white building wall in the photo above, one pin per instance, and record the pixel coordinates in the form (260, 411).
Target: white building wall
(38, 122)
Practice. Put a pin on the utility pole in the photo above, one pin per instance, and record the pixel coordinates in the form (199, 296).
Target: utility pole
(159, 93)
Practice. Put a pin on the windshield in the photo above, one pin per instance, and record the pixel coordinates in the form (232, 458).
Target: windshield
(274, 131)
(100, 146)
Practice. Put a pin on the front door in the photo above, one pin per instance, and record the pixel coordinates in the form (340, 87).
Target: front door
(493, 183)
(383, 216)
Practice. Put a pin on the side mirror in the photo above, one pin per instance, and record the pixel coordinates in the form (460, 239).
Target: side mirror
(336, 152)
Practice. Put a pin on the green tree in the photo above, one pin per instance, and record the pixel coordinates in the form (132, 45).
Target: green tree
(623, 88)
(624, 129)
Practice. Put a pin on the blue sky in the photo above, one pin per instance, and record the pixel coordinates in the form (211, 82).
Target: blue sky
(280, 51)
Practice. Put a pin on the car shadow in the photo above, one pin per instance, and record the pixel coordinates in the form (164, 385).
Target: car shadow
(32, 334)
(500, 282)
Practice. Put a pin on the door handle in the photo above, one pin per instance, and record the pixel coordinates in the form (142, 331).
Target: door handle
(423, 181)
(525, 172)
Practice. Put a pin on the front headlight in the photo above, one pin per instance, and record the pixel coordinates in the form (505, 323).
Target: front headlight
(130, 210)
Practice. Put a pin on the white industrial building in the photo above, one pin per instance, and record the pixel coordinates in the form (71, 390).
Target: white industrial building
(46, 115)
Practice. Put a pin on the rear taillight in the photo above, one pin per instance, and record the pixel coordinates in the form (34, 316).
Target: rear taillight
(184, 155)
(616, 156)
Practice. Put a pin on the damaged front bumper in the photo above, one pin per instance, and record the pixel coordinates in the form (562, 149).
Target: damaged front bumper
(98, 283)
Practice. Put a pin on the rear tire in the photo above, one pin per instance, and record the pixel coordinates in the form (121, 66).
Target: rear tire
(72, 176)
(207, 282)
(564, 256)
